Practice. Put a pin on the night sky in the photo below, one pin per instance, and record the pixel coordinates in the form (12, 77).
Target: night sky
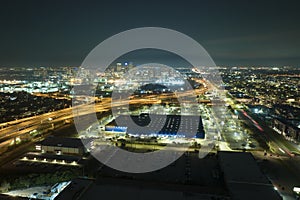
(59, 32)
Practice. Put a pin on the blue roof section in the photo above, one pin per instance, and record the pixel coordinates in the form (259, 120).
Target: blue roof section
(188, 126)
(116, 128)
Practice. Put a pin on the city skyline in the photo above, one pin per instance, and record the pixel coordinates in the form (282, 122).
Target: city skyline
(49, 110)
(149, 100)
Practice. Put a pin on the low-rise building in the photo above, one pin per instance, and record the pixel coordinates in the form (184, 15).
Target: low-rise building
(287, 128)
(60, 145)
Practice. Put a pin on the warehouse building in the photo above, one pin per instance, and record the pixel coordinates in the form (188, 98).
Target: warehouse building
(61, 146)
(168, 125)
(243, 177)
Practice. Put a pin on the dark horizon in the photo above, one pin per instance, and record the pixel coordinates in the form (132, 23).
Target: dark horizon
(235, 33)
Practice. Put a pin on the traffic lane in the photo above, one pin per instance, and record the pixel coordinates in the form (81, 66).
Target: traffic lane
(282, 146)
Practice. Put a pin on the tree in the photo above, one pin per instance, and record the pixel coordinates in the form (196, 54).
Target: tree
(5, 186)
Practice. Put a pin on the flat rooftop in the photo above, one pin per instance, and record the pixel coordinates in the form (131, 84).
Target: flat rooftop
(62, 142)
(120, 189)
(190, 126)
(186, 178)
(243, 177)
(76, 188)
(110, 188)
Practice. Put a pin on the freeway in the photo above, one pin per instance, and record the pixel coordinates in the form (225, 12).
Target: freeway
(9, 131)
(21, 127)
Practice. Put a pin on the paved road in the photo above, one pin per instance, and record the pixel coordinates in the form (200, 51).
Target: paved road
(17, 128)
(279, 145)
